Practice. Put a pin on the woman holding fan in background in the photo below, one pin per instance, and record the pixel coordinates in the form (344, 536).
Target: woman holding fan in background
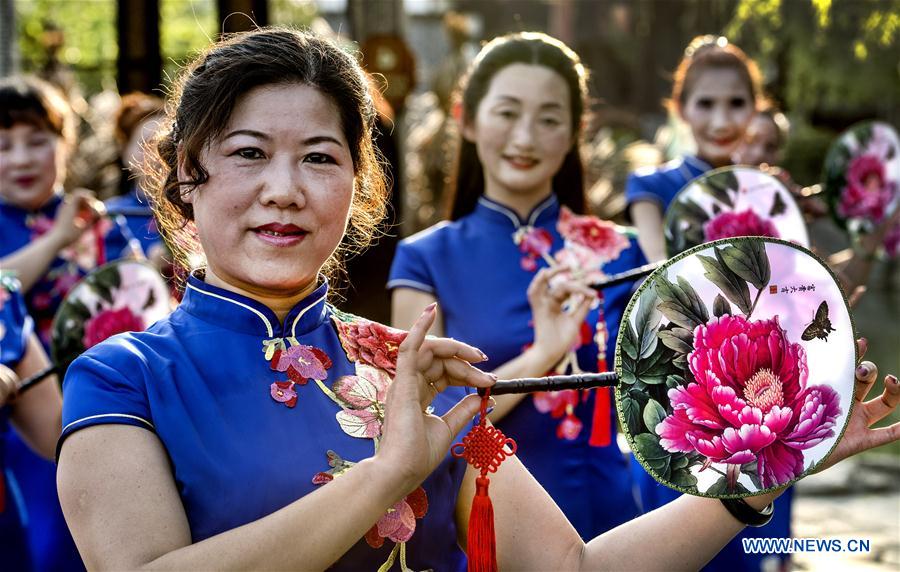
(515, 215)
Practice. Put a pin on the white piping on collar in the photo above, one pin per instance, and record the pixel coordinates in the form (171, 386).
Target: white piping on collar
(303, 311)
(262, 316)
(512, 215)
(502, 210)
(539, 209)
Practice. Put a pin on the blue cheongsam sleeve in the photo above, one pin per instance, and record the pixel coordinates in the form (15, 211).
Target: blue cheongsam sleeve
(16, 326)
(105, 387)
(639, 187)
(410, 268)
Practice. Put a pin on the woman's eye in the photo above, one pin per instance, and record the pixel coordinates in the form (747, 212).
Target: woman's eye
(38, 142)
(738, 102)
(249, 153)
(705, 103)
(319, 158)
(550, 121)
(507, 114)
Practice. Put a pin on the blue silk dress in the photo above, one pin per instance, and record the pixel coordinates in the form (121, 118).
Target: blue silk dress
(51, 544)
(660, 185)
(473, 267)
(241, 446)
(16, 327)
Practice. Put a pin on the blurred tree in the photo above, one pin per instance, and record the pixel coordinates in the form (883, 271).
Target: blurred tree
(88, 38)
(830, 62)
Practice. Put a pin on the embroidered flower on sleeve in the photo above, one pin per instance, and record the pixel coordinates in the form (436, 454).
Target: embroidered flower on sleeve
(370, 342)
(364, 393)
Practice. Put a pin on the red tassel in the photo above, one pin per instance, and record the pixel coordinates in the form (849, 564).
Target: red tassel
(601, 424)
(100, 245)
(484, 448)
(482, 544)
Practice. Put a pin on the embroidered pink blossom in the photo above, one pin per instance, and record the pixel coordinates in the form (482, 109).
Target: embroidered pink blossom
(371, 343)
(302, 363)
(599, 236)
(749, 400)
(283, 392)
(534, 243)
(108, 323)
(744, 223)
(4, 296)
(365, 393)
(868, 192)
(555, 402)
(399, 523)
(569, 428)
(584, 265)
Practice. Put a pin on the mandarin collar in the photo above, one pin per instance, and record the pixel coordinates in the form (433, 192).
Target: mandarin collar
(242, 314)
(47, 209)
(545, 211)
(698, 165)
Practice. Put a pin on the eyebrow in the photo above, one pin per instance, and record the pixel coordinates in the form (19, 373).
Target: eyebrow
(260, 135)
(512, 99)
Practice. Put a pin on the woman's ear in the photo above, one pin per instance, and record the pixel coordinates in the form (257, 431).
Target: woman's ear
(181, 171)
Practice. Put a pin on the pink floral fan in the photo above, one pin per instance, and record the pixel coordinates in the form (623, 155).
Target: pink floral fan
(735, 364)
(730, 202)
(862, 183)
(123, 296)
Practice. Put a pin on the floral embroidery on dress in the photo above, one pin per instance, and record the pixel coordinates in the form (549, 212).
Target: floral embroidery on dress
(589, 243)
(369, 342)
(299, 362)
(364, 395)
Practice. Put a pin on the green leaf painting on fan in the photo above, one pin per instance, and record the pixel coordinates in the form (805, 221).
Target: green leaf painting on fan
(728, 400)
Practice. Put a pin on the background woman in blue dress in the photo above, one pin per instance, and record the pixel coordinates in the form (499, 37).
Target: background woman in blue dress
(35, 415)
(522, 108)
(51, 239)
(257, 427)
(716, 92)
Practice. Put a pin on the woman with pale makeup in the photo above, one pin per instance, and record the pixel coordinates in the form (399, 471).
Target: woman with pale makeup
(716, 92)
(258, 427)
(50, 239)
(521, 109)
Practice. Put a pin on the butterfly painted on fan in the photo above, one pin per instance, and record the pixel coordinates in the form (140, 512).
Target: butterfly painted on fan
(820, 326)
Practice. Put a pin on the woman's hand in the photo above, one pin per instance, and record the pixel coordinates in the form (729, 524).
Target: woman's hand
(79, 211)
(556, 330)
(859, 436)
(413, 441)
(9, 384)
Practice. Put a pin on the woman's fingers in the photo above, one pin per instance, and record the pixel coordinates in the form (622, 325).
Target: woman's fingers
(880, 407)
(862, 346)
(444, 348)
(866, 374)
(409, 348)
(461, 414)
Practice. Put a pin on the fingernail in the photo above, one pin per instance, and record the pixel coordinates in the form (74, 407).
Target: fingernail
(483, 357)
(492, 402)
(493, 376)
(862, 370)
(431, 307)
(892, 379)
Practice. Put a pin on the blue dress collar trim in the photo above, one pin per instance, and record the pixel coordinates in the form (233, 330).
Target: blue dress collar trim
(240, 313)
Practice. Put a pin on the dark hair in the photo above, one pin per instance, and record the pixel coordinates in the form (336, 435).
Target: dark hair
(29, 100)
(467, 183)
(204, 98)
(135, 108)
(712, 52)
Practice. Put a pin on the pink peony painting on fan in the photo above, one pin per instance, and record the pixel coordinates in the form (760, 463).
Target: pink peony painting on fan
(736, 364)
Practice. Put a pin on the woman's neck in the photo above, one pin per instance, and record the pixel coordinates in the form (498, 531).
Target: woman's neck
(521, 203)
(280, 303)
(716, 163)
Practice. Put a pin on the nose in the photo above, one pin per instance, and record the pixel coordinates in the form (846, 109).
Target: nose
(282, 184)
(721, 118)
(522, 136)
